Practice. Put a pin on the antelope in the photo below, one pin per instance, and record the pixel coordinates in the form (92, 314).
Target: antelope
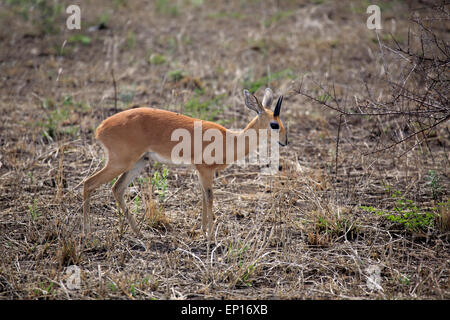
(131, 137)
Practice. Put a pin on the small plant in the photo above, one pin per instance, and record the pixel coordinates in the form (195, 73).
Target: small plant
(80, 38)
(324, 98)
(406, 213)
(157, 59)
(112, 286)
(434, 180)
(233, 253)
(30, 176)
(113, 181)
(61, 117)
(159, 182)
(51, 125)
(238, 253)
(33, 209)
(133, 290)
(328, 224)
(137, 203)
(245, 278)
(404, 280)
(47, 289)
(176, 75)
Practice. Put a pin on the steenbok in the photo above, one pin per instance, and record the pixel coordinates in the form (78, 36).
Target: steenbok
(133, 136)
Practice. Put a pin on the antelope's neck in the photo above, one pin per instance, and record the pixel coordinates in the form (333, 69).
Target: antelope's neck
(249, 135)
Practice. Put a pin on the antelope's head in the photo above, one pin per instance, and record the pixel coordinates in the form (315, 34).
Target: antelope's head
(267, 118)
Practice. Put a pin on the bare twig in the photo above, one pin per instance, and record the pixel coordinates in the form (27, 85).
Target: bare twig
(115, 89)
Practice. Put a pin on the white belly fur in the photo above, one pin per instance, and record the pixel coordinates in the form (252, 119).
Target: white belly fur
(157, 157)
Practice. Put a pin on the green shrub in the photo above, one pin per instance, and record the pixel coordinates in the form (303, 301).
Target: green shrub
(157, 59)
(406, 214)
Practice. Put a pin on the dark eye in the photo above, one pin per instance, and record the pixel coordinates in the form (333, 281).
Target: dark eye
(274, 125)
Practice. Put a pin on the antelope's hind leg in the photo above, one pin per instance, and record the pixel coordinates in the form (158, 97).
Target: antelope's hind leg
(119, 189)
(90, 184)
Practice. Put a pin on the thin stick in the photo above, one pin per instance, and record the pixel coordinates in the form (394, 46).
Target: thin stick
(60, 174)
(115, 88)
(337, 145)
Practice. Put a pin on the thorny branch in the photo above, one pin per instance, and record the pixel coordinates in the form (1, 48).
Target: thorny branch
(419, 96)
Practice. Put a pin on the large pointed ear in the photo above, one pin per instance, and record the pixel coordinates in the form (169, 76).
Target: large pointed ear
(276, 111)
(252, 102)
(268, 97)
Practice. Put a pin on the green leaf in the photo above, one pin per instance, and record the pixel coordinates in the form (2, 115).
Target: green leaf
(80, 38)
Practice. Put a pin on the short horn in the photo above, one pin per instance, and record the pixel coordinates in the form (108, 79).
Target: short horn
(276, 111)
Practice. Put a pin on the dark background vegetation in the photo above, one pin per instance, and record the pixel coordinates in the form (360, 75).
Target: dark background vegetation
(363, 185)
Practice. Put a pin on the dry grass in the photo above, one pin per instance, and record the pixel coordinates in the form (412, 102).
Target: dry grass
(299, 234)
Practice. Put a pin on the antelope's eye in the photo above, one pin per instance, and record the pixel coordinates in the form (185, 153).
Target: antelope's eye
(274, 125)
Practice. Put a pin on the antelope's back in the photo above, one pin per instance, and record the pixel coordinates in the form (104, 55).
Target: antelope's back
(147, 129)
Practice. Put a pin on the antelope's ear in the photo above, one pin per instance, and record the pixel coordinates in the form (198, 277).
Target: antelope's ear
(268, 97)
(276, 111)
(252, 102)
